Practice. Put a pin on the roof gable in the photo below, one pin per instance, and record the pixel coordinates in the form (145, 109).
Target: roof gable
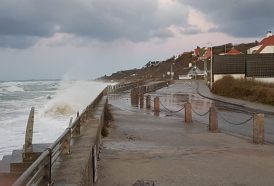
(233, 51)
(268, 41)
(208, 53)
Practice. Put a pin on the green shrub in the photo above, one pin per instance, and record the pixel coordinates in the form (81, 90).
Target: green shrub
(250, 90)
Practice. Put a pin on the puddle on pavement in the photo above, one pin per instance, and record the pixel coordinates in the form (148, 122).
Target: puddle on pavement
(169, 103)
(129, 146)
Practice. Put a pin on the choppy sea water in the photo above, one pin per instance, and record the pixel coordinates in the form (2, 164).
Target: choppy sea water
(54, 101)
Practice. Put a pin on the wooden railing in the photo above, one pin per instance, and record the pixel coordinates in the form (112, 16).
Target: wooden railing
(39, 173)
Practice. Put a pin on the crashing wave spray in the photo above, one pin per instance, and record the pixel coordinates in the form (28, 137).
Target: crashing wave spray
(72, 96)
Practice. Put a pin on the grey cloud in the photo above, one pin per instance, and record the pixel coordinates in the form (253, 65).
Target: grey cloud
(103, 20)
(241, 18)
(191, 30)
(19, 42)
(28, 18)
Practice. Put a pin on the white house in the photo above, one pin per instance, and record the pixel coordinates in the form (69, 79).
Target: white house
(265, 46)
(191, 72)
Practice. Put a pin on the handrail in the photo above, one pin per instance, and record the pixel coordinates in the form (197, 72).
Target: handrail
(59, 139)
(23, 179)
(35, 171)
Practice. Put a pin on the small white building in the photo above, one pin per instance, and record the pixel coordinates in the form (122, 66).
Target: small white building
(265, 46)
(191, 72)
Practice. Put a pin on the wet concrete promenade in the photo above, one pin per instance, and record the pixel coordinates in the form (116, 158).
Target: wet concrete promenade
(165, 150)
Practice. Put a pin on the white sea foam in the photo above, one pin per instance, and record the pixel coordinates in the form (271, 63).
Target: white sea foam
(72, 96)
(11, 88)
(51, 116)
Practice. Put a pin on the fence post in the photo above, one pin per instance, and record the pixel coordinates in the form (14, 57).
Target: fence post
(213, 119)
(141, 100)
(258, 128)
(148, 101)
(141, 93)
(188, 113)
(134, 97)
(156, 105)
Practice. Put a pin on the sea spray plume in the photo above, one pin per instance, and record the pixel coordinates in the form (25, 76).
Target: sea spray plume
(72, 96)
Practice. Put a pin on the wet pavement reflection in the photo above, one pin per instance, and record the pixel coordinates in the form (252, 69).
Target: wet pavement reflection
(231, 118)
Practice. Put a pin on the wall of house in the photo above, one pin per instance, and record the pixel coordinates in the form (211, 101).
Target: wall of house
(240, 76)
(265, 80)
(250, 51)
(236, 76)
(268, 49)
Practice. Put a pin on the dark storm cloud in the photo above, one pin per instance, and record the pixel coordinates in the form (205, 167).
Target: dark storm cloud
(240, 18)
(103, 20)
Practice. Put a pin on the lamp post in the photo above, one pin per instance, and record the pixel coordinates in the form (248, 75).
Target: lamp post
(205, 70)
(211, 73)
(211, 58)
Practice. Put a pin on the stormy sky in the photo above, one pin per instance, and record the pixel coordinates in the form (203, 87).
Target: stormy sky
(89, 38)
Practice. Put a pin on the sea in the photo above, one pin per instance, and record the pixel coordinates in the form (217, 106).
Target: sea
(55, 102)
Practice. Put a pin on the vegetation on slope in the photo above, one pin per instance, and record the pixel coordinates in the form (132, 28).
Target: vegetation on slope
(249, 90)
(160, 68)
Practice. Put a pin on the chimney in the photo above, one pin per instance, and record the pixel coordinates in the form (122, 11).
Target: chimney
(269, 33)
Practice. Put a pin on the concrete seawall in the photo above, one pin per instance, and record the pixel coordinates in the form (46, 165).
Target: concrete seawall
(72, 158)
(79, 167)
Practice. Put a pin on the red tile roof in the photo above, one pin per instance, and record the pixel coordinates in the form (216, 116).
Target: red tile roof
(233, 51)
(268, 41)
(197, 51)
(207, 53)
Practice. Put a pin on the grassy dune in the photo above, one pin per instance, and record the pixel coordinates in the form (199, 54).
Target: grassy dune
(249, 90)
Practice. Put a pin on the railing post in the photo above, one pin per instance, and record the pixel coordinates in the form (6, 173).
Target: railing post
(66, 144)
(188, 113)
(78, 126)
(70, 122)
(89, 110)
(94, 163)
(156, 105)
(258, 129)
(148, 101)
(47, 176)
(213, 119)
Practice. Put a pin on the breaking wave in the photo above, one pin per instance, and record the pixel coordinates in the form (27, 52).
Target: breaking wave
(71, 97)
